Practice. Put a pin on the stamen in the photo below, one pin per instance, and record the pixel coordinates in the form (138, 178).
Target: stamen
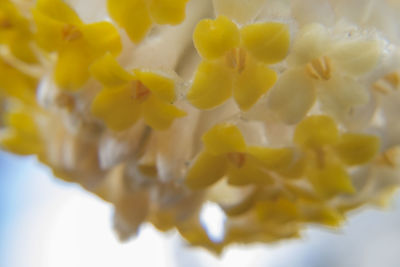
(236, 158)
(140, 91)
(71, 33)
(236, 59)
(67, 101)
(387, 83)
(320, 68)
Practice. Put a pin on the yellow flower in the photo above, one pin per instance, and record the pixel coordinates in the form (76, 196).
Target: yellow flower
(226, 153)
(328, 153)
(59, 29)
(15, 32)
(137, 16)
(129, 96)
(325, 69)
(236, 61)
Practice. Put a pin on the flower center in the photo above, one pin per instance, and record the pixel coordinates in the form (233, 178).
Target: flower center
(320, 68)
(70, 33)
(237, 158)
(388, 83)
(236, 59)
(139, 91)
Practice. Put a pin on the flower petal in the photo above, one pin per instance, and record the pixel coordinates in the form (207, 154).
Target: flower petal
(292, 96)
(268, 42)
(224, 138)
(316, 131)
(206, 170)
(58, 10)
(272, 158)
(238, 10)
(212, 85)
(213, 38)
(330, 180)
(162, 86)
(102, 37)
(250, 173)
(168, 11)
(108, 71)
(340, 95)
(132, 15)
(116, 108)
(159, 114)
(48, 31)
(255, 80)
(356, 149)
(356, 57)
(72, 67)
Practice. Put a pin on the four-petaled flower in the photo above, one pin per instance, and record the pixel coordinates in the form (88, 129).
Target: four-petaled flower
(137, 16)
(320, 66)
(128, 96)
(59, 29)
(327, 154)
(226, 153)
(236, 61)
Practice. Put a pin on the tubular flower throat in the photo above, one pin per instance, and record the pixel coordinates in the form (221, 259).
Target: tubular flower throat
(281, 113)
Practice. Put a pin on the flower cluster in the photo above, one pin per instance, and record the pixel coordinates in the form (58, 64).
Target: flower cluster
(282, 113)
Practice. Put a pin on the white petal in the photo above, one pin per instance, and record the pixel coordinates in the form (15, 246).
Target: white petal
(239, 10)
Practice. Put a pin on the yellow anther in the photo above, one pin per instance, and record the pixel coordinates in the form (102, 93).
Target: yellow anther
(70, 33)
(388, 83)
(139, 91)
(237, 159)
(320, 68)
(236, 59)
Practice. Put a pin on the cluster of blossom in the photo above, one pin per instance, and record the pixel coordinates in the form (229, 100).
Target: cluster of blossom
(284, 113)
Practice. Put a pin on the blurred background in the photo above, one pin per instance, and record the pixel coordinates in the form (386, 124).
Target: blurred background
(45, 222)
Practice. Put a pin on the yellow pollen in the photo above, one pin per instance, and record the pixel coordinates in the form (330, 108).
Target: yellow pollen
(236, 59)
(139, 91)
(71, 33)
(236, 158)
(320, 68)
(388, 83)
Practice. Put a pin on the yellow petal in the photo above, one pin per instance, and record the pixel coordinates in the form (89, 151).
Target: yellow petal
(320, 213)
(161, 86)
(48, 31)
(159, 114)
(272, 158)
(58, 10)
(238, 10)
(132, 15)
(356, 57)
(255, 80)
(22, 137)
(281, 210)
(268, 42)
(224, 138)
(102, 37)
(316, 131)
(206, 170)
(213, 38)
(355, 149)
(212, 85)
(108, 71)
(292, 96)
(72, 67)
(168, 11)
(330, 180)
(116, 107)
(251, 172)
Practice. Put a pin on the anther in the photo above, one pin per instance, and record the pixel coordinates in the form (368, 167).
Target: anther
(388, 83)
(236, 158)
(71, 33)
(320, 68)
(140, 91)
(236, 59)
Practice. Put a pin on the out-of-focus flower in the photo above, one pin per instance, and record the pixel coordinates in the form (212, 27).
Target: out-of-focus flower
(283, 113)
